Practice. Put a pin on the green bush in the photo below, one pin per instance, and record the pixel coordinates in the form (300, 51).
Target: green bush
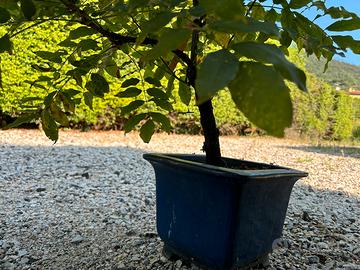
(322, 113)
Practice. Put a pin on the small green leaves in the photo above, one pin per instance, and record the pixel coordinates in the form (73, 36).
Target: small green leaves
(129, 92)
(184, 93)
(88, 99)
(345, 42)
(5, 44)
(81, 31)
(23, 119)
(296, 4)
(248, 26)
(153, 81)
(129, 82)
(28, 8)
(4, 15)
(133, 121)
(132, 106)
(268, 53)
(50, 56)
(159, 20)
(345, 25)
(49, 126)
(147, 130)
(215, 73)
(157, 93)
(98, 86)
(162, 120)
(261, 94)
(169, 40)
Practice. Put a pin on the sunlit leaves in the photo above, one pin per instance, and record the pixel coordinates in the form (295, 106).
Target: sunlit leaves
(265, 102)
(217, 70)
(158, 21)
(268, 53)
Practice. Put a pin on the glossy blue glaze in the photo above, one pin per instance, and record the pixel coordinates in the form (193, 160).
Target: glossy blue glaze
(219, 217)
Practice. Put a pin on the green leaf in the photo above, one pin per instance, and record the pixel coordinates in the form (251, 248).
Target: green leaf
(147, 130)
(69, 104)
(49, 98)
(153, 81)
(49, 126)
(58, 115)
(159, 20)
(261, 94)
(132, 106)
(296, 4)
(163, 104)
(129, 92)
(4, 15)
(88, 44)
(345, 42)
(50, 56)
(88, 99)
(345, 25)
(157, 93)
(133, 121)
(218, 69)
(246, 26)
(169, 40)
(81, 31)
(129, 82)
(22, 120)
(184, 93)
(28, 8)
(5, 44)
(268, 53)
(98, 85)
(162, 120)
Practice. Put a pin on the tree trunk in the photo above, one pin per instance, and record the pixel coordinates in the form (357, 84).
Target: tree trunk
(211, 133)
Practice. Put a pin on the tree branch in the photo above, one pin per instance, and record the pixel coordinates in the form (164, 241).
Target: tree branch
(115, 38)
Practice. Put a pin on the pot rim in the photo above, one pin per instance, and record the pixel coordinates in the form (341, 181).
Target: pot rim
(179, 160)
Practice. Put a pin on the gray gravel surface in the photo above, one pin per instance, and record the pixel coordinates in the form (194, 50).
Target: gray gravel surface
(88, 202)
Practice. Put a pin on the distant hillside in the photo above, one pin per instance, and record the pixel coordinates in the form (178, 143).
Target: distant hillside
(338, 74)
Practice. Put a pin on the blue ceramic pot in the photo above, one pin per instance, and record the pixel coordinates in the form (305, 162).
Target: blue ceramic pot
(221, 218)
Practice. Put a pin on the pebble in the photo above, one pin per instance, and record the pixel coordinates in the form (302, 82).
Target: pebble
(97, 185)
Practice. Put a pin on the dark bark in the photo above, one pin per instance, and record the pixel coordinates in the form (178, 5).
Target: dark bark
(207, 119)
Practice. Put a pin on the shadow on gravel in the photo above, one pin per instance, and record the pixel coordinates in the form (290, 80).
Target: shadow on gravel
(329, 150)
(72, 207)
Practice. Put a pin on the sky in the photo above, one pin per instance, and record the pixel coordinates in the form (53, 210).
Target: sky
(350, 5)
(323, 22)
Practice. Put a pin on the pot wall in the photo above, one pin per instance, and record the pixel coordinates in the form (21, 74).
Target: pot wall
(218, 217)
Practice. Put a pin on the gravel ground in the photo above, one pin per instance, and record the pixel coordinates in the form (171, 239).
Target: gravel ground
(88, 201)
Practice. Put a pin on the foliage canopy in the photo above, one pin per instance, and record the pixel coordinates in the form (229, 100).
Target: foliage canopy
(197, 47)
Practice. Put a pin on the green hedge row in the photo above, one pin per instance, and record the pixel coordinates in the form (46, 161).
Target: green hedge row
(322, 113)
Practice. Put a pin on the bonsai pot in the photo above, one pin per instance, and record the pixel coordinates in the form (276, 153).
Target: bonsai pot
(220, 217)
